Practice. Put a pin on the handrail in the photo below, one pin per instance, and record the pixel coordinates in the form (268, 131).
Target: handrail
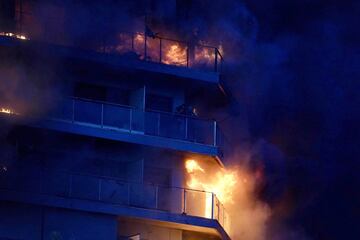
(122, 181)
(188, 128)
(174, 40)
(119, 180)
(101, 102)
(134, 108)
(221, 56)
(218, 211)
(179, 115)
(186, 63)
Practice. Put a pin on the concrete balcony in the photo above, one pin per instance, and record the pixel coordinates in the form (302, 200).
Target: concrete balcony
(134, 51)
(113, 196)
(128, 124)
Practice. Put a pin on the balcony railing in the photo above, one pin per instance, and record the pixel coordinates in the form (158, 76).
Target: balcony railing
(143, 47)
(27, 24)
(128, 119)
(115, 191)
(164, 50)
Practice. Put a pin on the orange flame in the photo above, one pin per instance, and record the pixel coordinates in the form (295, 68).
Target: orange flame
(221, 186)
(192, 165)
(175, 55)
(139, 41)
(139, 38)
(6, 110)
(207, 55)
(172, 52)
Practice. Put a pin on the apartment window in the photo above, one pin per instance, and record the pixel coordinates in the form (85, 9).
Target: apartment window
(158, 176)
(89, 91)
(159, 103)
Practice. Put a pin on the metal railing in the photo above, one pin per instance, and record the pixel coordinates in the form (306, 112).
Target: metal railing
(149, 47)
(143, 47)
(115, 191)
(164, 50)
(128, 119)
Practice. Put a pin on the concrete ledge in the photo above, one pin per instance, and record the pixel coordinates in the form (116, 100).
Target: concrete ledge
(182, 221)
(113, 60)
(132, 137)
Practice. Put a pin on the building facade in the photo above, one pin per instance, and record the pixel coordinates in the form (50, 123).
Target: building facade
(97, 123)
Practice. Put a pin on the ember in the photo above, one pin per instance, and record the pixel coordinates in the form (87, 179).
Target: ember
(13, 35)
(7, 111)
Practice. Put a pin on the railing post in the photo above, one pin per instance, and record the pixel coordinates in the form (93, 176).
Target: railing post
(103, 42)
(158, 125)
(186, 128)
(219, 218)
(160, 50)
(145, 46)
(187, 55)
(215, 134)
(132, 42)
(223, 216)
(221, 63)
(184, 208)
(41, 181)
(102, 115)
(73, 111)
(212, 205)
(70, 185)
(99, 193)
(130, 119)
(156, 197)
(128, 195)
(216, 59)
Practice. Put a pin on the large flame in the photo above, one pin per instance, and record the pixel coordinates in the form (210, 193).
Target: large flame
(221, 185)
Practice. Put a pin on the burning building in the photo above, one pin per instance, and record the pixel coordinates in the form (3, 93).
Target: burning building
(113, 140)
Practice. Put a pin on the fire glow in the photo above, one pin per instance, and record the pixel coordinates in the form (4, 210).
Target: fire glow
(175, 55)
(166, 51)
(6, 111)
(222, 185)
(13, 35)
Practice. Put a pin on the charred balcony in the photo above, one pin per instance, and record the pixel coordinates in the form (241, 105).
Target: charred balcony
(160, 50)
(50, 24)
(156, 55)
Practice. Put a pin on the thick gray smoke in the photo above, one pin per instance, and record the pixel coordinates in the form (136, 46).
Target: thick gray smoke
(302, 82)
(293, 103)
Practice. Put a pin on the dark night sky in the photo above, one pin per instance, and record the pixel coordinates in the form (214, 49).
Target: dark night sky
(279, 17)
(319, 122)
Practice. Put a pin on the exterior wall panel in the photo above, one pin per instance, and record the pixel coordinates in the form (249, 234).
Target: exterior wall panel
(32, 222)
